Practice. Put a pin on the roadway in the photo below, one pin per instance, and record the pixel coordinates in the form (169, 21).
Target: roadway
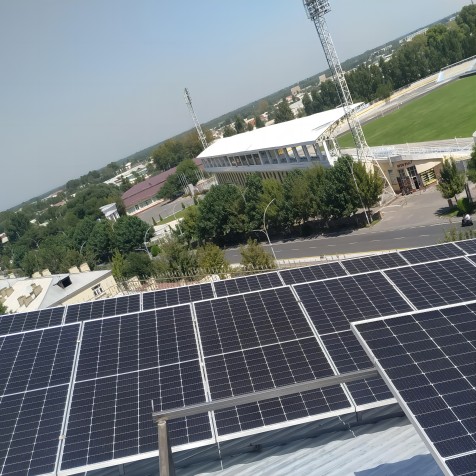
(409, 222)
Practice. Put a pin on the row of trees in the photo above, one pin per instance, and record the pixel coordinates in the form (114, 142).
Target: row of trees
(440, 46)
(228, 213)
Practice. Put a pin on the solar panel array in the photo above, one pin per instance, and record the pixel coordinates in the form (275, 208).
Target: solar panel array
(77, 396)
(429, 362)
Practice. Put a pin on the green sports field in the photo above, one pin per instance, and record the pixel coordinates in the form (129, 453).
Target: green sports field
(446, 113)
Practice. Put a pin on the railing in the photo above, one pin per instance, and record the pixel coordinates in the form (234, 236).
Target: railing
(166, 465)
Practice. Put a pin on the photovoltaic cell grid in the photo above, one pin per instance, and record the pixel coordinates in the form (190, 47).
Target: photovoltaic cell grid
(312, 273)
(258, 341)
(469, 246)
(349, 356)
(102, 308)
(174, 296)
(436, 284)
(26, 321)
(247, 283)
(35, 373)
(373, 263)
(124, 363)
(429, 360)
(432, 253)
(334, 303)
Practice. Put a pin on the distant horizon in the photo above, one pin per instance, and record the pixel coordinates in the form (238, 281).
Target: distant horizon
(64, 162)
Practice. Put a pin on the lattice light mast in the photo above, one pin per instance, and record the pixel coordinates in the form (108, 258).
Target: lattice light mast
(316, 9)
(201, 135)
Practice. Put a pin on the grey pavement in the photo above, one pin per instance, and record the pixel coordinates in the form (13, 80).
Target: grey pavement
(164, 209)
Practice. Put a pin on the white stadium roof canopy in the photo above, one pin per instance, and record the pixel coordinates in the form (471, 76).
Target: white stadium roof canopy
(305, 130)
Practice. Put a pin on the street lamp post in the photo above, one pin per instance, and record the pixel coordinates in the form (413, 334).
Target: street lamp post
(145, 242)
(265, 230)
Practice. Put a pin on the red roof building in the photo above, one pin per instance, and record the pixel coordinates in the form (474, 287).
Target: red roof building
(144, 193)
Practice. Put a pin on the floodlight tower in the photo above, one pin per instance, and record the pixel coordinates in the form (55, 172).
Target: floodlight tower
(316, 9)
(201, 135)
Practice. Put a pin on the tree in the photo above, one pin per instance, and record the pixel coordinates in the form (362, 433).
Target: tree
(129, 232)
(117, 264)
(211, 259)
(176, 258)
(100, 242)
(172, 188)
(221, 217)
(297, 206)
(253, 205)
(228, 131)
(138, 264)
(258, 122)
(16, 226)
(283, 112)
(240, 125)
(369, 186)
(190, 169)
(339, 196)
(3, 309)
(471, 168)
(254, 256)
(451, 181)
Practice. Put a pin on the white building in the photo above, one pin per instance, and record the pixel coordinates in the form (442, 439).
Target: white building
(275, 150)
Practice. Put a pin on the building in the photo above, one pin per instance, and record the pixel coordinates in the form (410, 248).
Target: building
(275, 150)
(45, 290)
(110, 211)
(144, 194)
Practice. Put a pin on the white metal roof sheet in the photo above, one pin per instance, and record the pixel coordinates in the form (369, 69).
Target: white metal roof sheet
(298, 131)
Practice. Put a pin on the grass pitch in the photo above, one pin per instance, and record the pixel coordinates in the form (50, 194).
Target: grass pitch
(446, 113)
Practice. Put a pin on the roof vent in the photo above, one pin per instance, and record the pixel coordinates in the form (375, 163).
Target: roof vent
(84, 267)
(74, 270)
(46, 272)
(65, 282)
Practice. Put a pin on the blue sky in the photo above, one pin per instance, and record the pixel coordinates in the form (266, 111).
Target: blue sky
(87, 82)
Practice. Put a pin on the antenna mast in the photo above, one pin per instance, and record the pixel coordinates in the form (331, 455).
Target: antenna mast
(201, 135)
(316, 9)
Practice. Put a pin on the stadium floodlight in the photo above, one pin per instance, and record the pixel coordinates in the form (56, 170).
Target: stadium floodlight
(316, 10)
(198, 127)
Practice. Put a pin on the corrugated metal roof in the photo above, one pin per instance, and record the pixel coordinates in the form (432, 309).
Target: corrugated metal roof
(305, 130)
(381, 447)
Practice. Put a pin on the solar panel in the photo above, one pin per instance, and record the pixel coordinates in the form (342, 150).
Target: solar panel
(349, 356)
(373, 263)
(247, 283)
(312, 273)
(103, 308)
(26, 321)
(124, 363)
(429, 361)
(468, 246)
(436, 284)
(472, 258)
(30, 431)
(333, 303)
(174, 296)
(258, 341)
(37, 359)
(432, 253)
(35, 373)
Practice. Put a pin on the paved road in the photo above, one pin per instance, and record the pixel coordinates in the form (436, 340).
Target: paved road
(409, 222)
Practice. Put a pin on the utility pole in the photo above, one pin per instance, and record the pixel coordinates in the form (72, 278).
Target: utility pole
(201, 135)
(316, 10)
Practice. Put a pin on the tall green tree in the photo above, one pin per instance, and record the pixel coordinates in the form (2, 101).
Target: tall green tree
(369, 186)
(228, 131)
(118, 265)
(451, 180)
(298, 203)
(3, 309)
(253, 204)
(240, 125)
(129, 232)
(175, 258)
(138, 264)
(339, 195)
(258, 122)
(283, 112)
